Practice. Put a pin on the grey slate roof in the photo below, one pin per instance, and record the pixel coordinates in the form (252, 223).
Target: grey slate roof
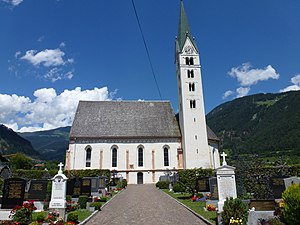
(211, 135)
(125, 119)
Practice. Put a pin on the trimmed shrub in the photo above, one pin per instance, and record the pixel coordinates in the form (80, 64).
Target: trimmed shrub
(291, 208)
(178, 188)
(122, 183)
(234, 209)
(73, 217)
(103, 199)
(82, 200)
(162, 184)
(97, 205)
(40, 216)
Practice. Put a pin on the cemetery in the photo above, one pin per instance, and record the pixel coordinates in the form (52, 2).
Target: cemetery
(65, 198)
(221, 196)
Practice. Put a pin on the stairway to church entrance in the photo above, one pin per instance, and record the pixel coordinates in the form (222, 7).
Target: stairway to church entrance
(144, 205)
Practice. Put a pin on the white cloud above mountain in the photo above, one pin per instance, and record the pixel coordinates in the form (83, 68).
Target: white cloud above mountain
(48, 110)
(296, 84)
(247, 76)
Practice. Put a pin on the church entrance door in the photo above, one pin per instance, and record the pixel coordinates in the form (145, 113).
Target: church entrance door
(140, 178)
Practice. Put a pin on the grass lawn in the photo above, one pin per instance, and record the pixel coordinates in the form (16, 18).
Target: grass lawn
(83, 213)
(198, 207)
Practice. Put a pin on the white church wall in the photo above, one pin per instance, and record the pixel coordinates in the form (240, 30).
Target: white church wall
(78, 158)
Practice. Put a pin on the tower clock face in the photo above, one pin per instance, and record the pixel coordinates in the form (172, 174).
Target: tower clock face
(188, 49)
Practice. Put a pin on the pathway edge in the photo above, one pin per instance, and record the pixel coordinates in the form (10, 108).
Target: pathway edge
(96, 211)
(192, 211)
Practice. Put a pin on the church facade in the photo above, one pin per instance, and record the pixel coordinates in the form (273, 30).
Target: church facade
(143, 140)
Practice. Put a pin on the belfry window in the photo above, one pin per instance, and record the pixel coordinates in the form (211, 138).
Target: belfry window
(192, 104)
(191, 86)
(140, 156)
(190, 73)
(88, 156)
(114, 157)
(166, 156)
(189, 60)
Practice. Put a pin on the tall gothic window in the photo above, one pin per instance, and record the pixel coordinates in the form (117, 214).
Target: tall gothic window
(114, 157)
(140, 156)
(192, 104)
(166, 156)
(88, 156)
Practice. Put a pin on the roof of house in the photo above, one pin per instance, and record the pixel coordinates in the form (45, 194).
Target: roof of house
(211, 135)
(125, 119)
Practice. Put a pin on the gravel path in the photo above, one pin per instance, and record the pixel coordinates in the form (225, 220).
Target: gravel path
(144, 205)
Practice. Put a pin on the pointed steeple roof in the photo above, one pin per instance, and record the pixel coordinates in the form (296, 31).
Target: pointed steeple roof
(183, 30)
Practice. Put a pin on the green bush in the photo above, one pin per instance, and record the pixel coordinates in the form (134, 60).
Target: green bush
(40, 216)
(178, 187)
(291, 209)
(68, 198)
(82, 200)
(102, 199)
(73, 217)
(234, 208)
(162, 184)
(122, 183)
(97, 205)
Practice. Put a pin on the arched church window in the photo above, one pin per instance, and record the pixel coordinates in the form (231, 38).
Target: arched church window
(88, 156)
(166, 156)
(140, 156)
(187, 61)
(114, 157)
(192, 104)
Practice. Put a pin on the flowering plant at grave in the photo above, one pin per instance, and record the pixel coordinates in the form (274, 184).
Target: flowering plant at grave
(211, 207)
(96, 199)
(22, 214)
(52, 217)
(72, 206)
(236, 221)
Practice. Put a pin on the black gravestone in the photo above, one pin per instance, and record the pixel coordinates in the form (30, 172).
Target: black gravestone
(38, 190)
(13, 193)
(213, 188)
(277, 186)
(86, 186)
(102, 182)
(202, 184)
(74, 187)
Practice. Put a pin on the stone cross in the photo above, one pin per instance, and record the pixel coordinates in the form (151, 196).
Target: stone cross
(60, 165)
(224, 161)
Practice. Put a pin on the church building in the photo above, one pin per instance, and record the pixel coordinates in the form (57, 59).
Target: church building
(143, 140)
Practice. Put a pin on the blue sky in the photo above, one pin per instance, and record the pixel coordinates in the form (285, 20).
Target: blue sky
(55, 52)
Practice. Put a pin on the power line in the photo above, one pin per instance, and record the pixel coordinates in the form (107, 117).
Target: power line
(148, 55)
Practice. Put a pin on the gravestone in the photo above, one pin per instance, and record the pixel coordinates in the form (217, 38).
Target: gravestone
(202, 184)
(58, 195)
(262, 205)
(213, 188)
(74, 187)
(226, 183)
(13, 193)
(86, 186)
(98, 185)
(277, 186)
(38, 190)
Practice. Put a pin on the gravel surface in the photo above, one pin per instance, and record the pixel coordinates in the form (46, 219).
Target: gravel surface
(144, 204)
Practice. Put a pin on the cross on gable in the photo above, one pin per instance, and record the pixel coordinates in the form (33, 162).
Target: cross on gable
(224, 161)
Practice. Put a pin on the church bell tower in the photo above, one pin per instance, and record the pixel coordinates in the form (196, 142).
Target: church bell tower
(190, 95)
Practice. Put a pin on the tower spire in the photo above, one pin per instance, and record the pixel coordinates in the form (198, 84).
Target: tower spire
(183, 30)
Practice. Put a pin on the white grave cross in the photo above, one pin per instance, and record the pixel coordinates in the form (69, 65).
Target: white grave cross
(224, 161)
(60, 165)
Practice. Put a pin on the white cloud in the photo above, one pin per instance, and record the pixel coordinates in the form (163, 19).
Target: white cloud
(41, 38)
(13, 2)
(242, 91)
(47, 57)
(48, 110)
(62, 44)
(227, 94)
(247, 76)
(296, 84)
